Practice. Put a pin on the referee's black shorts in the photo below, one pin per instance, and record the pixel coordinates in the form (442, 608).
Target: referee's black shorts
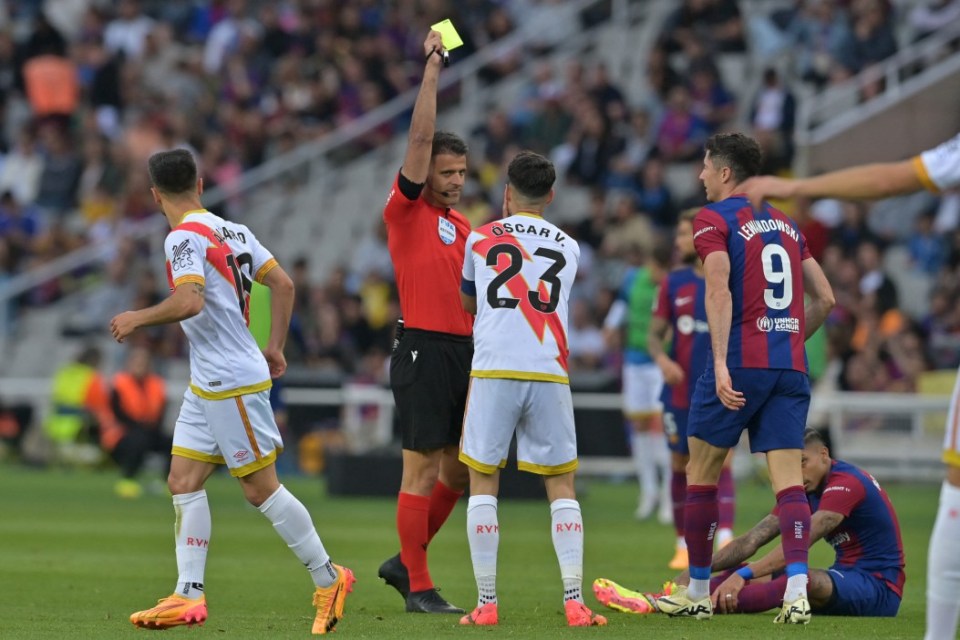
(429, 376)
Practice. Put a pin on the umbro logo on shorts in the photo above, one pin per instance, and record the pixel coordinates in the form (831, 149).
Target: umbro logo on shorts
(414, 354)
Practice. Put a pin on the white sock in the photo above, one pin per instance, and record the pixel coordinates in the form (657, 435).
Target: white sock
(943, 568)
(796, 587)
(483, 534)
(292, 521)
(681, 542)
(192, 534)
(645, 462)
(698, 589)
(566, 527)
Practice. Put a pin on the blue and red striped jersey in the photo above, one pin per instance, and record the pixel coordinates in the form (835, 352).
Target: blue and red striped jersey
(869, 536)
(680, 303)
(766, 281)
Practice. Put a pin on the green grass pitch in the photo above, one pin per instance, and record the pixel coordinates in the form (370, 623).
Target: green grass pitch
(75, 561)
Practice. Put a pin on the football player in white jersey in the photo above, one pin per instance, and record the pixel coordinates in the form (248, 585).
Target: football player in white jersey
(225, 417)
(936, 170)
(517, 274)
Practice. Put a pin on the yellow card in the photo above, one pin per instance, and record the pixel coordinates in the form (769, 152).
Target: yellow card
(448, 34)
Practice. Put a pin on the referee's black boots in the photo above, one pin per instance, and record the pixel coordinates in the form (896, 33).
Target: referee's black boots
(429, 601)
(395, 574)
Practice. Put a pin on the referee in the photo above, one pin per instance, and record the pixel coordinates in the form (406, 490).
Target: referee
(430, 367)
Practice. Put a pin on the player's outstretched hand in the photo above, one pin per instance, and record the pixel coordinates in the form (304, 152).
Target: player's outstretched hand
(123, 325)
(725, 596)
(276, 361)
(730, 398)
(762, 187)
(433, 43)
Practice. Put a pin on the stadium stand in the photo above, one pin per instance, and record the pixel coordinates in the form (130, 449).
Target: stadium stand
(293, 110)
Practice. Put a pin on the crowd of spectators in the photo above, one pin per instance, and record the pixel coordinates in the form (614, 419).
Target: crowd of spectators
(879, 338)
(90, 88)
(257, 78)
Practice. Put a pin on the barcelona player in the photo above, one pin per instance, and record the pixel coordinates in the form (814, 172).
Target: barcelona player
(937, 170)
(851, 512)
(757, 267)
(680, 311)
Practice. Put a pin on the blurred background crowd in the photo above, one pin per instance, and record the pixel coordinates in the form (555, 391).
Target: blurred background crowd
(241, 82)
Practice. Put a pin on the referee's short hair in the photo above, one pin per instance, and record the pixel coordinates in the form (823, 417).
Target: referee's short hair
(173, 172)
(531, 174)
(738, 152)
(448, 143)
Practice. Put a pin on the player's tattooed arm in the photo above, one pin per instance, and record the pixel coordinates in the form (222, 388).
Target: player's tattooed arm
(822, 523)
(186, 301)
(742, 548)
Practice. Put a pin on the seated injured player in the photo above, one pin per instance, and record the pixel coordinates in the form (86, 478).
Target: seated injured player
(850, 511)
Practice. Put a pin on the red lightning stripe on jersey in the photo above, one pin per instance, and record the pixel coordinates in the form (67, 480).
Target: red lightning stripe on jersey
(518, 288)
(217, 254)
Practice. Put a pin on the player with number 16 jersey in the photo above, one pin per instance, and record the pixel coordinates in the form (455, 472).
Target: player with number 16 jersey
(226, 416)
(224, 359)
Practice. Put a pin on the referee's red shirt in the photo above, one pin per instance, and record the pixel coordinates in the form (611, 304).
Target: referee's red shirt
(426, 245)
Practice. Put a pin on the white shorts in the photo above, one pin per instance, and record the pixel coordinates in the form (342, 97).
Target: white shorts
(240, 432)
(541, 414)
(642, 386)
(951, 439)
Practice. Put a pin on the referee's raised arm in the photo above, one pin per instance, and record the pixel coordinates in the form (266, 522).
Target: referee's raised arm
(416, 162)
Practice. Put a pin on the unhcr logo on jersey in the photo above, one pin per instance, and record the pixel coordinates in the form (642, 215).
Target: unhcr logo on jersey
(767, 324)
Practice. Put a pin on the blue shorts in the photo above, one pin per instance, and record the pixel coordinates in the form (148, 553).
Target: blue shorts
(775, 413)
(858, 593)
(675, 428)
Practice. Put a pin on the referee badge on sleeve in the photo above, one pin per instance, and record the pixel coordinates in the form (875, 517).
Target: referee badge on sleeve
(446, 230)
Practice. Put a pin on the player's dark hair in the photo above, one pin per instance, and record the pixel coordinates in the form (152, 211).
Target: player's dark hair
(445, 142)
(738, 152)
(812, 436)
(173, 171)
(531, 175)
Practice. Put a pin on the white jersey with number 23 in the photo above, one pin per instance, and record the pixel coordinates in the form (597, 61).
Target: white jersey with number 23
(523, 268)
